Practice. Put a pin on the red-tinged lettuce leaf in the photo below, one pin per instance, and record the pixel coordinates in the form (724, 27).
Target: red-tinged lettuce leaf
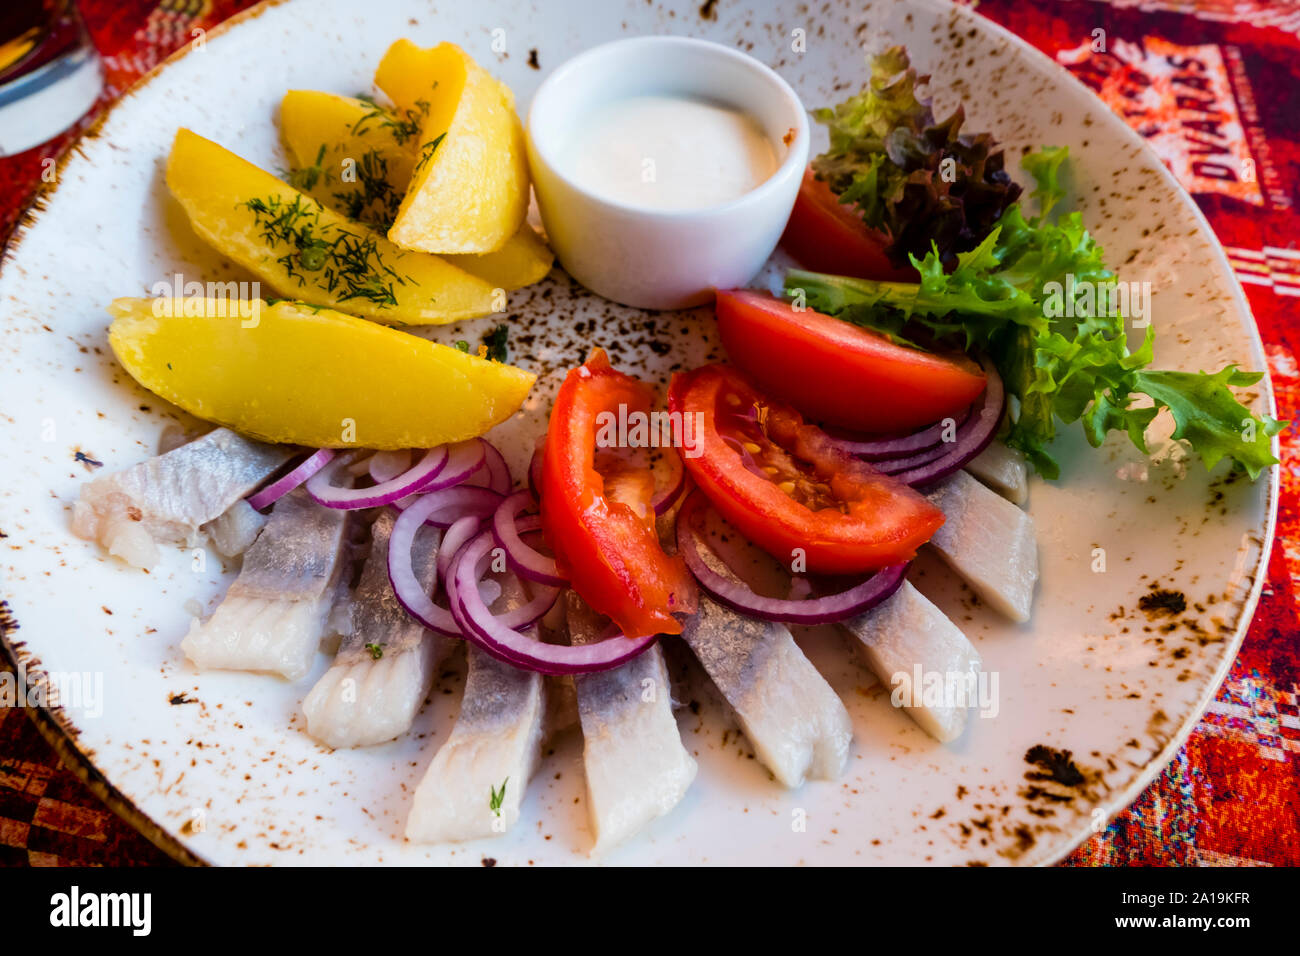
(922, 182)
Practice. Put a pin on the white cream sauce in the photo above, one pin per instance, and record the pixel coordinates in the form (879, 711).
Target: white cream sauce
(669, 152)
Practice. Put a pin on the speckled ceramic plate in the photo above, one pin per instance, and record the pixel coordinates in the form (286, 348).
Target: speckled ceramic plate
(216, 767)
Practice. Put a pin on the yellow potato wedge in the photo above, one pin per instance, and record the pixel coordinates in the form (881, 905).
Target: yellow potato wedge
(523, 260)
(289, 372)
(469, 190)
(349, 154)
(306, 251)
(356, 157)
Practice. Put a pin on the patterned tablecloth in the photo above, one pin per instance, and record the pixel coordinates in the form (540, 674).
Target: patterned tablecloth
(1214, 85)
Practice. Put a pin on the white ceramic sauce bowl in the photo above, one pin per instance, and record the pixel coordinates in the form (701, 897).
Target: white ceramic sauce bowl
(663, 258)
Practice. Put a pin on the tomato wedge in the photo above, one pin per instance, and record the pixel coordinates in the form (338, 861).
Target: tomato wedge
(596, 511)
(838, 373)
(788, 487)
(825, 235)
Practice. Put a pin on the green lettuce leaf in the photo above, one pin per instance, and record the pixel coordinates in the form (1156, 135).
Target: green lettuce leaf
(1022, 297)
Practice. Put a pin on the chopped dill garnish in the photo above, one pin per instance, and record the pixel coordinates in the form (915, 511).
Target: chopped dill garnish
(403, 128)
(497, 797)
(495, 343)
(375, 650)
(307, 177)
(349, 264)
(427, 151)
(376, 201)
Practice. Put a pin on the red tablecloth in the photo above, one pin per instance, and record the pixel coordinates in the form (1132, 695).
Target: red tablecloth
(1232, 794)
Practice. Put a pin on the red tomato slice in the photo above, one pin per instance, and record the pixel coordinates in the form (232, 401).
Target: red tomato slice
(837, 373)
(596, 514)
(827, 236)
(787, 487)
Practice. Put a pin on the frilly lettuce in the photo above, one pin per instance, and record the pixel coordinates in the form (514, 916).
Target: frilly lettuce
(1067, 369)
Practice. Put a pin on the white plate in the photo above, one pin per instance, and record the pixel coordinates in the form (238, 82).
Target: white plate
(232, 778)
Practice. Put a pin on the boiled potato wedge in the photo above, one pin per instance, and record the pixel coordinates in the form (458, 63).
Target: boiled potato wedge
(356, 157)
(349, 154)
(310, 376)
(523, 260)
(306, 251)
(469, 189)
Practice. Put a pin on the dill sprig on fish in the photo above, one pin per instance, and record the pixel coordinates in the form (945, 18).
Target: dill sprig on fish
(497, 797)
(350, 263)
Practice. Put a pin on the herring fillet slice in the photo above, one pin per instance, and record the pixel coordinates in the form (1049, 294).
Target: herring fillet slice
(495, 743)
(907, 632)
(168, 497)
(1004, 470)
(364, 699)
(989, 542)
(235, 529)
(796, 724)
(273, 615)
(635, 764)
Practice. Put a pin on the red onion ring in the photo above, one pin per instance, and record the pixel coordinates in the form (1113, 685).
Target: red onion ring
(524, 650)
(460, 467)
(524, 561)
(264, 497)
(401, 575)
(741, 597)
(387, 465)
(417, 602)
(463, 459)
(426, 470)
(893, 466)
(456, 537)
(458, 500)
(973, 436)
(898, 446)
(495, 469)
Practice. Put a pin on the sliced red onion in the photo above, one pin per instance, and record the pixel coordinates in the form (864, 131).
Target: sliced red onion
(524, 616)
(495, 470)
(973, 436)
(899, 446)
(520, 649)
(524, 561)
(401, 575)
(456, 537)
(738, 596)
(463, 459)
(418, 603)
(265, 497)
(430, 467)
(454, 502)
(387, 465)
(358, 466)
(893, 466)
